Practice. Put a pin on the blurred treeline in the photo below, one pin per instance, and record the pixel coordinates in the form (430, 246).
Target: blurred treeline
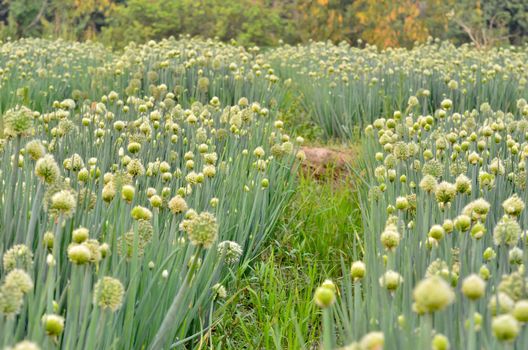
(267, 22)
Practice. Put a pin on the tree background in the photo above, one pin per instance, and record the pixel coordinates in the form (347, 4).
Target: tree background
(270, 22)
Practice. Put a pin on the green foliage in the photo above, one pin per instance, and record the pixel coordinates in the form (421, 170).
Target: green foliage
(246, 21)
(272, 307)
(267, 22)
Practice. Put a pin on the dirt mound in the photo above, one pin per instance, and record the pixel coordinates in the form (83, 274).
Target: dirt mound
(320, 159)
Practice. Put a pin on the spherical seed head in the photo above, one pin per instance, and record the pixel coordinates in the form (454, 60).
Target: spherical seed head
(209, 171)
(500, 304)
(177, 204)
(26, 345)
(445, 192)
(513, 206)
(63, 202)
(95, 250)
(448, 226)
(104, 249)
(108, 293)
(127, 192)
(477, 210)
(402, 203)
(478, 230)
(440, 342)
(473, 287)
(463, 184)
(109, 192)
(80, 235)
(462, 223)
(432, 294)
(520, 311)
(19, 279)
(141, 213)
(74, 163)
(515, 256)
(324, 297)
(18, 121)
(390, 238)
(202, 229)
(53, 324)
(390, 280)
(18, 256)
(47, 169)
(372, 341)
(358, 270)
(79, 254)
(135, 168)
(505, 328)
(231, 251)
(35, 149)
(156, 201)
(11, 300)
(48, 240)
(437, 232)
(220, 291)
(446, 104)
(507, 231)
(428, 183)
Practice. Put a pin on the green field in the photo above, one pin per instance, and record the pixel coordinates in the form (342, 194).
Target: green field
(165, 196)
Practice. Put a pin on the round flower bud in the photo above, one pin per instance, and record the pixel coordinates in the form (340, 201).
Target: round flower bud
(515, 256)
(48, 240)
(156, 201)
(141, 213)
(358, 270)
(372, 341)
(231, 251)
(507, 231)
(25, 345)
(108, 293)
(484, 273)
(63, 202)
(108, 192)
(390, 238)
(18, 279)
(18, 256)
(440, 342)
(390, 280)
(500, 304)
(432, 294)
(80, 235)
(128, 192)
(437, 232)
(520, 311)
(202, 229)
(448, 226)
(402, 203)
(505, 328)
(177, 204)
(473, 287)
(513, 206)
(47, 169)
(79, 254)
(214, 202)
(219, 291)
(324, 297)
(489, 254)
(35, 149)
(53, 324)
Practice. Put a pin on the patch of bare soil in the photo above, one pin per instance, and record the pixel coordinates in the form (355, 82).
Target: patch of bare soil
(320, 160)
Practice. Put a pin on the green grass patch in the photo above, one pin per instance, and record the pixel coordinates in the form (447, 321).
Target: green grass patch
(271, 305)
